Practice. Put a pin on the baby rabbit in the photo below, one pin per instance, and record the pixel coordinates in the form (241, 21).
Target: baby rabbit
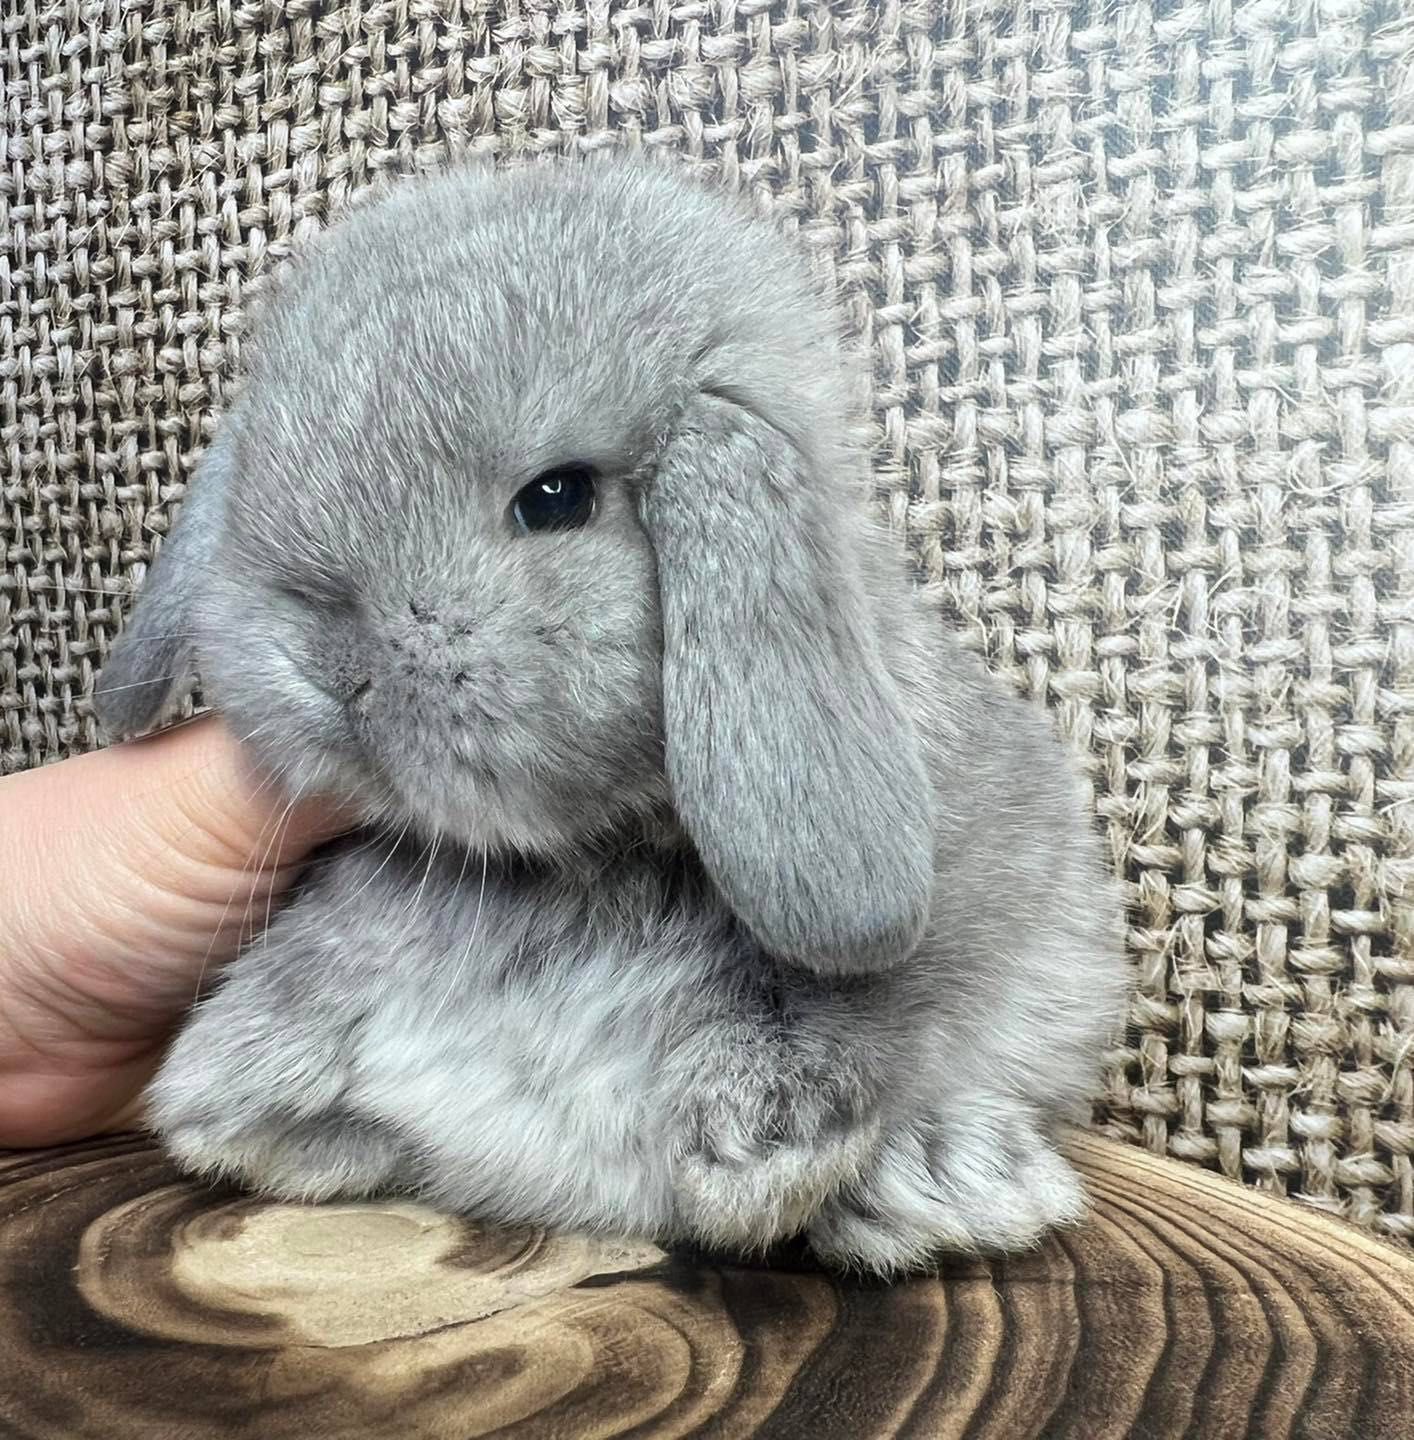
(709, 890)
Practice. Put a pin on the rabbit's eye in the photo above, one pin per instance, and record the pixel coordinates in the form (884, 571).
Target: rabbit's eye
(560, 499)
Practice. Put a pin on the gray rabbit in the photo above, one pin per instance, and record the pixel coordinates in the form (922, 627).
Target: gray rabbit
(709, 890)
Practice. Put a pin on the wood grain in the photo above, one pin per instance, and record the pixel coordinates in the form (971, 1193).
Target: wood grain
(136, 1304)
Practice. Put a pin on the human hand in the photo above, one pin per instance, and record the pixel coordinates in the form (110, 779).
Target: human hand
(128, 877)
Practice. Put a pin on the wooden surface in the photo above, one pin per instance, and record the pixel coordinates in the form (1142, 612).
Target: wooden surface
(135, 1304)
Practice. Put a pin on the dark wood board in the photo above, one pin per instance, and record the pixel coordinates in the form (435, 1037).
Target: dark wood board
(134, 1303)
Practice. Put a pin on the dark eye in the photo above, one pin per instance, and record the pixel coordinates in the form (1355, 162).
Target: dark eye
(560, 499)
(323, 596)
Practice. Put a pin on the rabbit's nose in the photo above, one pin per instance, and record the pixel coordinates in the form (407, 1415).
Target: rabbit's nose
(350, 685)
(443, 619)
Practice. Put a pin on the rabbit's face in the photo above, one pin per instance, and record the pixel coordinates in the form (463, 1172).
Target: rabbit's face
(439, 596)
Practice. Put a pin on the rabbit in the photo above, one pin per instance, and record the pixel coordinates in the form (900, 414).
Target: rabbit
(709, 890)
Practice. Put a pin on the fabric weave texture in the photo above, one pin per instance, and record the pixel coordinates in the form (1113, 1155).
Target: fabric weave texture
(1137, 280)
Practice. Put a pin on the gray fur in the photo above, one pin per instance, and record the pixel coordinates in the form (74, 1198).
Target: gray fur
(710, 890)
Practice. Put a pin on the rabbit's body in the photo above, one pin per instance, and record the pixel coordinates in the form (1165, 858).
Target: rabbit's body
(732, 898)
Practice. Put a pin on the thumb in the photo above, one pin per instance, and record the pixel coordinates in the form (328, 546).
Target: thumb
(152, 853)
(191, 795)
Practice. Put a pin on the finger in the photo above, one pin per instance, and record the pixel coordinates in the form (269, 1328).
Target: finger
(185, 796)
(151, 852)
(194, 790)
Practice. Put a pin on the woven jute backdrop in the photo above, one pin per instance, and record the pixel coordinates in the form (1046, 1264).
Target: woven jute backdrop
(1137, 278)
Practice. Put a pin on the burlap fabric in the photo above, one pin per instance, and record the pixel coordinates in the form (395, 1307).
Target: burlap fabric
(1138, 281)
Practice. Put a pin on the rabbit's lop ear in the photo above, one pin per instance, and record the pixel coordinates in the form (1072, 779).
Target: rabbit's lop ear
(794, 765)
(152, 660)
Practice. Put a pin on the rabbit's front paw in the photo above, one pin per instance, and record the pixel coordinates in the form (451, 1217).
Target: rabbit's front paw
(755, 1173)
(973, 1186)
(246, 1094)
(319, 1158)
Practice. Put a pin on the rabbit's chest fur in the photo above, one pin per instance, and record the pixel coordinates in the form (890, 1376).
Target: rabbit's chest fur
(538, 1039)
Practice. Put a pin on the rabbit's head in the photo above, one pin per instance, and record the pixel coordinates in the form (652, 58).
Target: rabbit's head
(539, 512)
